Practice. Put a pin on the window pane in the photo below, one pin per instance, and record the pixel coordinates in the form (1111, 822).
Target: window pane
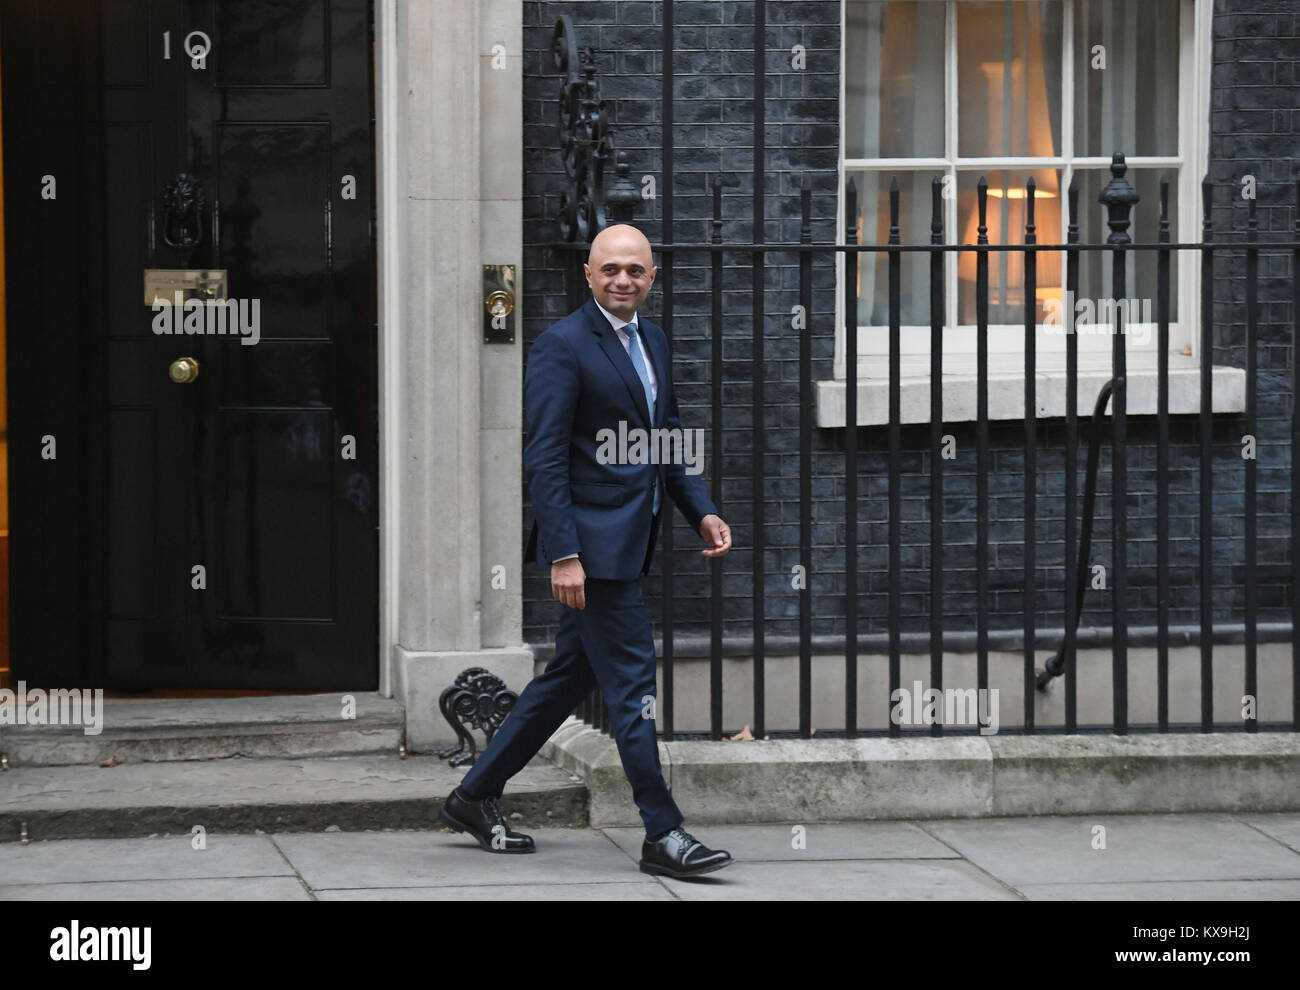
(1095, 267)
(893, 80)
(914, 228)
(1009, 79)
(1126, 77)
(1006, 217)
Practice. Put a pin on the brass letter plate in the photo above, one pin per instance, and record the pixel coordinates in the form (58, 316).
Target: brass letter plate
(191, 283)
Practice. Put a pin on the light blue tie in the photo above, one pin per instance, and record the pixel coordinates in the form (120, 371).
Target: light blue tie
(638, 362)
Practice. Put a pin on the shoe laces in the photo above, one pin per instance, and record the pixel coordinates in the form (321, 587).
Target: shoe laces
(686, 837)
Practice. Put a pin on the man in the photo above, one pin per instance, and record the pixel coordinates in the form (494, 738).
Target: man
(597, 521)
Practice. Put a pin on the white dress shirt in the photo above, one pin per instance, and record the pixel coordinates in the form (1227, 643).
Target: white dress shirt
(626, 341)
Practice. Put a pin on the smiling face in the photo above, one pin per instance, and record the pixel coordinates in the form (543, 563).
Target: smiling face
(619, 269)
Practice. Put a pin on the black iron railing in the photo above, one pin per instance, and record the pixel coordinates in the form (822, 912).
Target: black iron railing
(1119, 198)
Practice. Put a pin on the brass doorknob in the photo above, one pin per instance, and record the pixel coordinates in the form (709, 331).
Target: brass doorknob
(184, 370)
(499, 303)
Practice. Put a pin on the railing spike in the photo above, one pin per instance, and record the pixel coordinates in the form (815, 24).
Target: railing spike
(936, 211)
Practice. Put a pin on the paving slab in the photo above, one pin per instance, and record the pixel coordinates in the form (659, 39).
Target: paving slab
(163, 858)
(822, 841)
(1282, 826)
(223, 889)
(1022, 851)
(351, 860)
(630, 890)
(854, 880)
(1147, 858)
(1167, 890)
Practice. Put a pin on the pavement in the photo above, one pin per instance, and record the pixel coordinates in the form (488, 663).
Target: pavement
(1088, 857)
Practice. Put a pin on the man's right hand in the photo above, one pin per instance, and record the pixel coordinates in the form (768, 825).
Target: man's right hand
(568, 582)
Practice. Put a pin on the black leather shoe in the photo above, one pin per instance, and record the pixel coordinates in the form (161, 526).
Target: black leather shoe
(680, 854)
(482, 819)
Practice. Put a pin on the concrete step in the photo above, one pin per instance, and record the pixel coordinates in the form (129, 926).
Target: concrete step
(241, 795)
(166, 729)
(865, 779)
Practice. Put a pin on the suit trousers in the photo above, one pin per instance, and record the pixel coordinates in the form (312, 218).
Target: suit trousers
(609, 643)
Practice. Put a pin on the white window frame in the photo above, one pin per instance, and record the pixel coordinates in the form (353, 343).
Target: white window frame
(1006, 342)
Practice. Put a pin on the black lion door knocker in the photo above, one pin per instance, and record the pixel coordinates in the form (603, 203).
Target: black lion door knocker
(184, 202)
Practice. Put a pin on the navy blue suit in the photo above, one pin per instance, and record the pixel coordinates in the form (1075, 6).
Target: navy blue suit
(579, 382)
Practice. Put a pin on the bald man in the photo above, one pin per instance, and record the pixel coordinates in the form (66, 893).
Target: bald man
(597, 377)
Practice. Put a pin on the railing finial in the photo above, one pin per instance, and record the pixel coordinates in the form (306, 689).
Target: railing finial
(893, 210)
(1118, 197)
(1072, 198)
(982, 199)
(623, 195)
(936, 211)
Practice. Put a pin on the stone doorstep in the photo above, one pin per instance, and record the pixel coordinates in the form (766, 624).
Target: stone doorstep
(246, 795)
(961, 777)
(164, 729)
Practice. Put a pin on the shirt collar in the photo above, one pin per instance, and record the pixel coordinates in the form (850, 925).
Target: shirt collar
(614, 321)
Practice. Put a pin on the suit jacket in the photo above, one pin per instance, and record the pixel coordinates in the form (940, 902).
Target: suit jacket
(579, 382)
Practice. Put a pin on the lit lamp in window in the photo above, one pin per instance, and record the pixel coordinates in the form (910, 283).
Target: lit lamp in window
(1013, 104)
(1007, 214)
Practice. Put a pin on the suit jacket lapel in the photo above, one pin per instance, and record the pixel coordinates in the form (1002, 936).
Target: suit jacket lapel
(660, 362)
(613, 348)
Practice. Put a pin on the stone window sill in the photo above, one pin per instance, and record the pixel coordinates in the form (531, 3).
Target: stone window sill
(1007, 392)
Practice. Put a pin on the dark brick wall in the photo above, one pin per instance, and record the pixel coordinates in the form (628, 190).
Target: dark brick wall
(713, 132)
(1255, 130)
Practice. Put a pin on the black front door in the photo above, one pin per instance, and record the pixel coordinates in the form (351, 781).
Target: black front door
(209, 523)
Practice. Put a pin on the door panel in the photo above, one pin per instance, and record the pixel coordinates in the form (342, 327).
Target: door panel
(273, 42)
(285, 168)
(260, 475)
